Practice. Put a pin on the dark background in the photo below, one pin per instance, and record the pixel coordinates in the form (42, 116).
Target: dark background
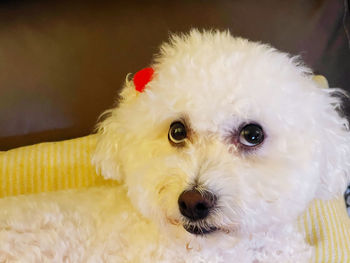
(63, 63)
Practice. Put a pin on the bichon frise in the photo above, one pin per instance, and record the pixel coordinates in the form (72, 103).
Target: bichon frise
(219, 146)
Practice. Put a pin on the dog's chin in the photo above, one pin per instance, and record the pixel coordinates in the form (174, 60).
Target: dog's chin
(197, 230)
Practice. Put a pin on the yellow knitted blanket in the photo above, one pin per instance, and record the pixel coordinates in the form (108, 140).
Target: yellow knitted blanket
(65, 165)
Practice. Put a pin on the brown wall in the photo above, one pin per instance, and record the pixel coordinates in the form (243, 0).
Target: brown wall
(62, 63)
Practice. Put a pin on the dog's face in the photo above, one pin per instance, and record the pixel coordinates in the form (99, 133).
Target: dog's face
(229, 135)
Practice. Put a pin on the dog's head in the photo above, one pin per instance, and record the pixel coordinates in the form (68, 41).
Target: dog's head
(227, 135)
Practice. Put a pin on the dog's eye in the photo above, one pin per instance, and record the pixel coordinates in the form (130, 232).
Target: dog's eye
(177, 133)
(251, 135)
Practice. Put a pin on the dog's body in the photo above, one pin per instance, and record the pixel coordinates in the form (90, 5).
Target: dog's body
(219, 152)
(101, 225)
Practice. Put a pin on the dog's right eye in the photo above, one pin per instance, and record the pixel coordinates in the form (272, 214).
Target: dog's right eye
(177, 133)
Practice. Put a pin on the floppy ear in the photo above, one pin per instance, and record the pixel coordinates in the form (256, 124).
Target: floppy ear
(112, 129)
(106, 156)
(335, 144)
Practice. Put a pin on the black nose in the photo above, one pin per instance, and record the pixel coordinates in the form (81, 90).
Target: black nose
(196, 205)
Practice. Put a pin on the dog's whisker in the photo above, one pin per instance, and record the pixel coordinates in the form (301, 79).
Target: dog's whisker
(173, 221)
(188, 248)
(161, 189)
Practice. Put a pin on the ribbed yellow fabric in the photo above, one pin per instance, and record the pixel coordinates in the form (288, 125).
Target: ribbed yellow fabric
(49, 167)
(67, 164)
(327, 227)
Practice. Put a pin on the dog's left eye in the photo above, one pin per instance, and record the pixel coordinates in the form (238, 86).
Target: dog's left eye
(251, 135)
(177, 133)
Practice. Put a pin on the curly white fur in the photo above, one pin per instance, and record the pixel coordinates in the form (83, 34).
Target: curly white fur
(215, 83)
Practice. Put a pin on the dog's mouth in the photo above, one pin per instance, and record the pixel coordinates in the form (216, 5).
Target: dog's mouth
(197, 230)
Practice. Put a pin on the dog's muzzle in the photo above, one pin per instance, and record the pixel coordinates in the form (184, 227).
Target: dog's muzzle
(197, 230)
(195, 206)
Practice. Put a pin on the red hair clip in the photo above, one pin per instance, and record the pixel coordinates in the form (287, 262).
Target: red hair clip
(142, 77)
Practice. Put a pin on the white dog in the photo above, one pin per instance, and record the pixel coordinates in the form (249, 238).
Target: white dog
(220, 146)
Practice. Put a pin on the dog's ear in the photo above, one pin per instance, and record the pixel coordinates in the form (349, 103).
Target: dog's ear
(335, 144)
(106, 154)
(112, 129)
